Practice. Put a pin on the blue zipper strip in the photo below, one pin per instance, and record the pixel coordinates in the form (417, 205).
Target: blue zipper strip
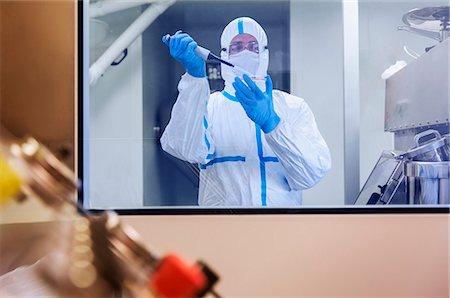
(262, 166)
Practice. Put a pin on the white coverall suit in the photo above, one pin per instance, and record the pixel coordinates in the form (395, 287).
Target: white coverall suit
(239, 164)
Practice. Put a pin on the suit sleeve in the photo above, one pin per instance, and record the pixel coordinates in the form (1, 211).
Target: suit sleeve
(187, 135)
(297, 142)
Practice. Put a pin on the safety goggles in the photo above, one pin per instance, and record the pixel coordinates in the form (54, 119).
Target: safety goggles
(239, 46)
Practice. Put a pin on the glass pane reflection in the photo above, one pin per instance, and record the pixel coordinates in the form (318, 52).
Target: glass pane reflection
(160, 135)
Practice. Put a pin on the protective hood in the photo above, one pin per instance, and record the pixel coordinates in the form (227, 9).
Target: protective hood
(239, 26)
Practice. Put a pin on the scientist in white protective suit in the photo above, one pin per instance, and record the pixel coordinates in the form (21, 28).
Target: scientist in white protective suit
(255, 146)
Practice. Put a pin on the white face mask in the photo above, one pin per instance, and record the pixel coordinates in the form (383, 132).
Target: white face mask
(246, 60)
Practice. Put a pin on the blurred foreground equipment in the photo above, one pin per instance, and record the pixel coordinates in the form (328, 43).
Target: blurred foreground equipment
(92, 255)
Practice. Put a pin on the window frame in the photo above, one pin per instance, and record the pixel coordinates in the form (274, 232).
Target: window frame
(80, 156)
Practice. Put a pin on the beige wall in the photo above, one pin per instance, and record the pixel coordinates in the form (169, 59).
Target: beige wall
(37, 70)
(312, 255)
(297, 255)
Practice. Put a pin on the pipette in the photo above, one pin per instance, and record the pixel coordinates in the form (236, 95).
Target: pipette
(206, 54)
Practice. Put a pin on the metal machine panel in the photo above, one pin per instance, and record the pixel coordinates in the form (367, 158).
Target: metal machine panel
(418, 94)
(385, 183)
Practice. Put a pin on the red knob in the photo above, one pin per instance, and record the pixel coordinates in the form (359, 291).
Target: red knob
(173, 277)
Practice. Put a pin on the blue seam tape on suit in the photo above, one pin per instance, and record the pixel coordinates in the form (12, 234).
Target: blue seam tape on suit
(222, 159)
(262, 159)
(270, 159)
(229, 96)
(208, 145)
(240, 26)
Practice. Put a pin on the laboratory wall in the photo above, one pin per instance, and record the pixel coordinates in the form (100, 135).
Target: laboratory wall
(115, 122)
(317, 76)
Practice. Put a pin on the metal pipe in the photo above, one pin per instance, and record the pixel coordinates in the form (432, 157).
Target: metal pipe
(350, 17)
(102, 8)
(98, 68)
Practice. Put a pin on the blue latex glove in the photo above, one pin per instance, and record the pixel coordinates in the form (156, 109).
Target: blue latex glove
(182, 48)
(258, 105)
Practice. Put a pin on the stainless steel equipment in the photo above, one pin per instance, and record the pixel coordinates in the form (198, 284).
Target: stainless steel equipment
(386, 183)
(433, 149)
(417, 97)
(431, 22)
(427, 182)
(417, 176)
(417, 112)
(427, 170)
